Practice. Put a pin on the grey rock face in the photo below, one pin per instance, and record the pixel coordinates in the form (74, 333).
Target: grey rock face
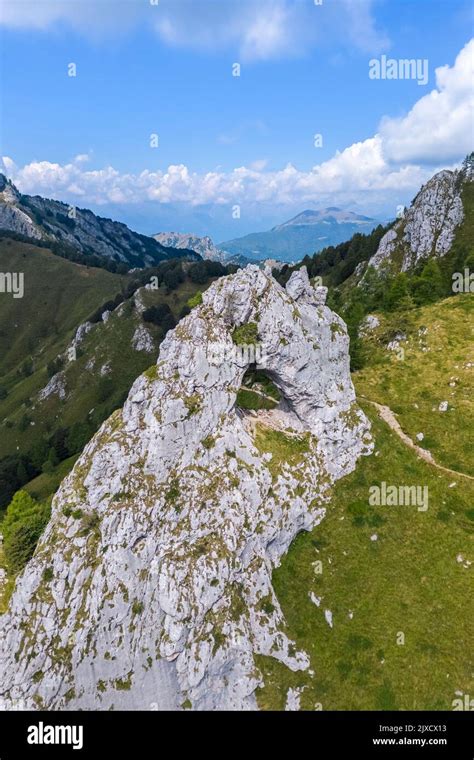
(151, 586)
(11, 216)
(142, 340)
(368, 324)
(202, 245)
(429, 225)
(55, 386)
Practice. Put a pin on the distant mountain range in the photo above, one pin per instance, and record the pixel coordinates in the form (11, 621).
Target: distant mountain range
(305, 233)
(201, 245)
(87, 233)
(79, 229)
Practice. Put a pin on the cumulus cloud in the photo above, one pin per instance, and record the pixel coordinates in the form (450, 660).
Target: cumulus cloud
(440, 126)
(82, 158)
(358, 168)
(255, 29)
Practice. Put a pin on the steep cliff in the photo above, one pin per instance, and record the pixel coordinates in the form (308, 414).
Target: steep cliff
(428, 226)
(151, 586)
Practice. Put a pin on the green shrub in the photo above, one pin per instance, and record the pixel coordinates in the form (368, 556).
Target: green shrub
(195, 300)
(48, 574)
(24, 523)
(246, 335)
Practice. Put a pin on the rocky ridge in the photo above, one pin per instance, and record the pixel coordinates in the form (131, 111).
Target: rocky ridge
(151, 586)
(80, 229)
(202, 245)
(428, 227)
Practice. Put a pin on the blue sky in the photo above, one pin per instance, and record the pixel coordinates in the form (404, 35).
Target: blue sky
(167, 69)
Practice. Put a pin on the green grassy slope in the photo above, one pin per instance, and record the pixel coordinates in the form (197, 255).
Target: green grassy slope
(47, 483)
(437, 364)
(409, 580)
(59, 295)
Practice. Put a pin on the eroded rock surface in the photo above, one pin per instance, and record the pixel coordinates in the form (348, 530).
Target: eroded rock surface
(151, 586)
(429, 226)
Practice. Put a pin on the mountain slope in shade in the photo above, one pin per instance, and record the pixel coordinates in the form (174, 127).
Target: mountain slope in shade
(71, 348)
(80, 229)
(302, 235)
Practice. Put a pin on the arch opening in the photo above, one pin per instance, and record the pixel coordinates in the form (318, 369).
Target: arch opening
(258, 392)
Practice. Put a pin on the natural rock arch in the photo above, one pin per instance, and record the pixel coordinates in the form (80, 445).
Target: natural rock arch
(163, 538)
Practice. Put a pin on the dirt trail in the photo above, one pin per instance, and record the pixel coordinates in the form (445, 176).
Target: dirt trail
(389, 417)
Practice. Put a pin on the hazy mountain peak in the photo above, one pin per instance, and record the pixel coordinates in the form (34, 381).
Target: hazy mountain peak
(203, 245)
(304, 234)
(331, 213)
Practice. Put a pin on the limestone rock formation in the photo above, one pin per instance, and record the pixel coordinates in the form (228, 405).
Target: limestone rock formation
(428, 226)
(12, 217)
(151, 586)
(202, 245)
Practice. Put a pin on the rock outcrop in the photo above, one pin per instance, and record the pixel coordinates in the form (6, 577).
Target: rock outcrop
(12, 217)
(429, 226)
(202, 245)
(152, 584)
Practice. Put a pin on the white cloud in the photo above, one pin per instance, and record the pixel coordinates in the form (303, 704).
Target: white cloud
(259, 165)
(263, 29)
(440, 126)
(392, 163)
(359, 168)
(254, 29)
(90, 17)
(362, 28)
